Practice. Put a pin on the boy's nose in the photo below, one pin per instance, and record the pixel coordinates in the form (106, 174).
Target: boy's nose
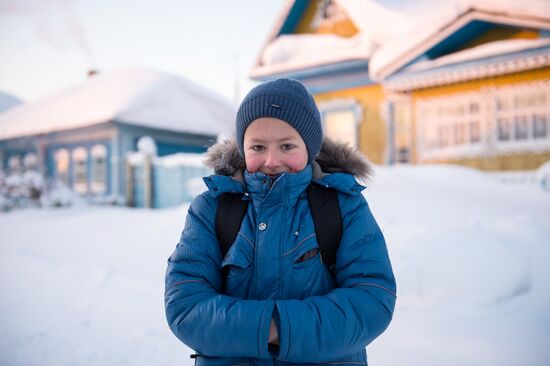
(272, 159)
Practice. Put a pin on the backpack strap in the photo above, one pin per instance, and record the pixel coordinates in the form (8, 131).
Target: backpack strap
(327, 219)
(229, 216)
(325, 211)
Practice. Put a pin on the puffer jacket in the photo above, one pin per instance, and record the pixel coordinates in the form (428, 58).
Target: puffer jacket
(321, 317)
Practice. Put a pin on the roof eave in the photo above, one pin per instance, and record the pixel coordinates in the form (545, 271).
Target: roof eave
(454, 25)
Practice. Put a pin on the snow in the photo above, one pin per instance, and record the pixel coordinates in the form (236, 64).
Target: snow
(84, 286)
(403, 46)
(300, 51)
(373, 20)
(182, 159)
(482, 51)
(147, 146)
(294, 52)
(135, 96)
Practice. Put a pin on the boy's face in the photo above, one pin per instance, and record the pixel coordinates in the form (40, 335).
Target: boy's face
(272, 146)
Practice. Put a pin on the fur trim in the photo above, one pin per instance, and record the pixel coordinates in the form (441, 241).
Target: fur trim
(334, 157)
(337, 157)
(224, 158)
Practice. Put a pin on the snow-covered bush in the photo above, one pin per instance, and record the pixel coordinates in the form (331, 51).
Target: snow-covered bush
(20, 190)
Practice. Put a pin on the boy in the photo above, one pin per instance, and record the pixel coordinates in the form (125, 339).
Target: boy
(273, 298)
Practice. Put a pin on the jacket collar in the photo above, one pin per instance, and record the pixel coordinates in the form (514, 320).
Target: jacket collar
(336, 166)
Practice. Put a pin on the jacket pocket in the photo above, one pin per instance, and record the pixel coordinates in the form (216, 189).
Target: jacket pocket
(236, 268)
(308, 254)
(307, 273)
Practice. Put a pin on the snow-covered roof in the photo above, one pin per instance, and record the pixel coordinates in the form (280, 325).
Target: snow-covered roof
(482, 51)
(486, 60)
(8, 101)
(135, 96)
(393, 55)
(293, 52)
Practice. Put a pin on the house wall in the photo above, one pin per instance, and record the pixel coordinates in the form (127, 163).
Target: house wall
(491, 158)
(372, 128)
(117, 138)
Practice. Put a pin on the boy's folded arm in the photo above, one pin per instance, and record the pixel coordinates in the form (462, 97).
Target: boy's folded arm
(351, 316)
(197, 312)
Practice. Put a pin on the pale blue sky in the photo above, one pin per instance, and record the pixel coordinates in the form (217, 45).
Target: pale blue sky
(46, 45)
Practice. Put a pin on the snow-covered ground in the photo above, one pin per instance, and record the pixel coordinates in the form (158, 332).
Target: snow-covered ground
(84, 286)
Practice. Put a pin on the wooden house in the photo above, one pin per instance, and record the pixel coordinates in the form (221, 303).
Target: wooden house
(81, 135)
(467, 85)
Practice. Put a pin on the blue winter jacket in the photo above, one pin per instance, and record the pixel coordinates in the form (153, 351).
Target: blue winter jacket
(321, 318)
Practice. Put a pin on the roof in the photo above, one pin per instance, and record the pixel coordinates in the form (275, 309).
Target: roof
(284, 52)
(135, 96)
(486, 60)
(392, 56)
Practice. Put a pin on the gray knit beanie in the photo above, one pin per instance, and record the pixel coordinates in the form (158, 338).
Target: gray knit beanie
(287, 100)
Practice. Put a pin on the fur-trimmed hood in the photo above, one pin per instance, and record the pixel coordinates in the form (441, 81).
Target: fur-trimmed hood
(334, 157)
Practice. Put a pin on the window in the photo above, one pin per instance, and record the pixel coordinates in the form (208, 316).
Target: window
(459, 134)
(80, 182)
(521, 114)
(30, 161)
(450, 126)
(540, 130)
(14, 163)
(503, 126)
(505, 119)
(99, 169)
(520, 128)
(340, 120)
(61, 158)
(474, 131)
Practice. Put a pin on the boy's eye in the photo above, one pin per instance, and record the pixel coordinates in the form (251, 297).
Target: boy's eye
(257, 147)
(287, 146)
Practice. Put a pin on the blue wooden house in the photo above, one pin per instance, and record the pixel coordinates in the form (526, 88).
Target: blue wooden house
(81, 135)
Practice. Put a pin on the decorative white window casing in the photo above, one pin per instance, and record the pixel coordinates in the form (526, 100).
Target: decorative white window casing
(522, 117)
(451, 126)
(99, 169)
(341, 119)
(494, 120)
(80, 166)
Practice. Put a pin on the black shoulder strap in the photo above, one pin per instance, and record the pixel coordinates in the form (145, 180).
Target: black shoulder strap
(229, 216)
(325, 211)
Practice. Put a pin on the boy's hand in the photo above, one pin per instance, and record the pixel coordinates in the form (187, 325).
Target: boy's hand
(273, 334)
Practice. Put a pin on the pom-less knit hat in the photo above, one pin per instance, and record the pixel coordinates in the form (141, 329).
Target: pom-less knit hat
(287, 100)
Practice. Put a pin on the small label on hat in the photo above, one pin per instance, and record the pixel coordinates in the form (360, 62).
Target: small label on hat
(275, 106)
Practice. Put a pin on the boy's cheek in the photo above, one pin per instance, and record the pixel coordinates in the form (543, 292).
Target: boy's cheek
(252, 164)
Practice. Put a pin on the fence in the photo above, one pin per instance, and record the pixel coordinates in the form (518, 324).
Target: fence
(159, 182)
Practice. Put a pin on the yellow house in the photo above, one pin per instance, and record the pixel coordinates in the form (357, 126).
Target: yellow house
(323, 44)
(469, 86)
(473, 90)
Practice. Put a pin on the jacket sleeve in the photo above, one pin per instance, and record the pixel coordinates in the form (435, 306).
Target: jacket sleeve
(198, 314)
(358, 310)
